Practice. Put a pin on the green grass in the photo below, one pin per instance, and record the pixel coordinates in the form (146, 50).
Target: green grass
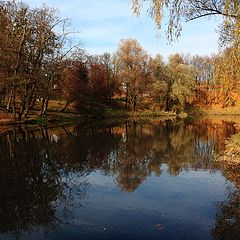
(110, 113)
(38, 120)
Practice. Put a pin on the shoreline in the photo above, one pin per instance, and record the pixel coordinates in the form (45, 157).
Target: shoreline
(66, 117)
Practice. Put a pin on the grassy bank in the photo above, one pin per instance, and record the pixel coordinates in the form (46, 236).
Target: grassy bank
(34, 118)
(216, 110)
(54, 116)
(110, 113)
(103, 112)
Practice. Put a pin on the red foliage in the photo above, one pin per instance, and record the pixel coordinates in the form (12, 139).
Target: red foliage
(98, 82)
(74, 82)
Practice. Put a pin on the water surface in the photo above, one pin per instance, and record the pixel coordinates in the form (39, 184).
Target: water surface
(138, 179)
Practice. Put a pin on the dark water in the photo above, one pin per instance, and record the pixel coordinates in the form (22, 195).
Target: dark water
(142, 179)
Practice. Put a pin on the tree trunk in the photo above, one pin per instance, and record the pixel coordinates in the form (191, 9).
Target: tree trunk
(126, 101)
(45, 107)
(126, 98)
(3, 95)
(134, 104)
(66, 105)
(14, 103)
(167, 105)
(29, 100)
(9, 101)
(42, 107)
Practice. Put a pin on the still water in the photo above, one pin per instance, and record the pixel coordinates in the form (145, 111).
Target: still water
(137, 179)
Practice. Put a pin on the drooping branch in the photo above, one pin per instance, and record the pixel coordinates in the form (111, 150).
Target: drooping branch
(189, 10)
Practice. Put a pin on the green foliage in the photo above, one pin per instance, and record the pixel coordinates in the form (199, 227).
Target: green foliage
(183, 78)
(174, 83)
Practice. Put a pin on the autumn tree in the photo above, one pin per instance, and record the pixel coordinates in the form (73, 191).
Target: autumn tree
(189, 10)
(88, 80)
(18, 31)
(160, 80)
(33, 44)
(109, 62)
(103, 75)
(133, 71)
(74, 83)
(4, 21)
(204, 69)
(181, 83)
(41, 44)
(98, 82)
(227, 76)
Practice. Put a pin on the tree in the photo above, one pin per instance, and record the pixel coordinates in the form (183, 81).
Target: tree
(190, 10)
(32, 44)
(181, 83)
(74, 83)
(229, 30)
(87, 80)
(133, 70)
(40, 45)
(160, 80)
(18, 31)
(183, 86)
(102, 69)
(204, 69)
(227, 75)
(109, 62)
(98, 82)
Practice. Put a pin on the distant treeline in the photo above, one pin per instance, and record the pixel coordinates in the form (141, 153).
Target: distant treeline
(39, 63)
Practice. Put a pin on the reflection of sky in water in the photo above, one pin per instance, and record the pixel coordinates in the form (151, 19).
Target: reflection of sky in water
(171, 207)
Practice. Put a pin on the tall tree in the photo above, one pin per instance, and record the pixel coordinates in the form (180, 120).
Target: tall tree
(74, 83)
(133, 70)
(33, 47)
(160, 80)
(181, 83)
(227, 76)
(204, 69)
(109, 62)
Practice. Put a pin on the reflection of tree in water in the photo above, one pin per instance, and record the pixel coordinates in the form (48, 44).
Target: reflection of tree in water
(90, 149)
(180, 145)
(180, 148)
(133, 157)
(210, 136)
(30, 181)
(228, 217)
(40, 167)
(134, 150)
(227, 225)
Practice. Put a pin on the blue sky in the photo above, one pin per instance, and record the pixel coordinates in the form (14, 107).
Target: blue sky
(103, 23)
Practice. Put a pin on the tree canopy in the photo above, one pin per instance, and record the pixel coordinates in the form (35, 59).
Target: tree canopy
(189, 10)
(38, 64)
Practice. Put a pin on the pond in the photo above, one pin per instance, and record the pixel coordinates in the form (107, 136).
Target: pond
(135, 179)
